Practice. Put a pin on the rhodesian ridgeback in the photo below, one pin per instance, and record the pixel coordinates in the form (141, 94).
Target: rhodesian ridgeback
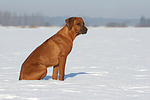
(53, 52)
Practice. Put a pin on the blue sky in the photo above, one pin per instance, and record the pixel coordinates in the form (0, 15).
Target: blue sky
(89, 8)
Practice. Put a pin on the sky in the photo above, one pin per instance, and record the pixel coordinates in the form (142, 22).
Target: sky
(126, 9)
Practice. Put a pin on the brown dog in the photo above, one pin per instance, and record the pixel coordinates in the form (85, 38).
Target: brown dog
(53, 52)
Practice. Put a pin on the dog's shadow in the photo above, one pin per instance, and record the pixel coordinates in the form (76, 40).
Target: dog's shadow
(66, 76)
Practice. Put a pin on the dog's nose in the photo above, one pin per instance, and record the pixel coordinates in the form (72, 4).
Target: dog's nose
(85, 30)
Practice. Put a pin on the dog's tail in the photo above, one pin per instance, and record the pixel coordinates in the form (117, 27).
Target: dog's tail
(20, 77)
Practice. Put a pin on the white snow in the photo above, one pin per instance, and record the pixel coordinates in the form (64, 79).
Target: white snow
(105, 64)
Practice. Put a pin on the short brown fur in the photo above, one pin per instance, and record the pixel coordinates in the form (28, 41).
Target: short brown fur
(53, 52)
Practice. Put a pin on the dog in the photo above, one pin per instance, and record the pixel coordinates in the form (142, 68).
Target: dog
(53, 52)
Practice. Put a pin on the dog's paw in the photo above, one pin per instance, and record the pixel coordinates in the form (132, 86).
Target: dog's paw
(61, 79)
(54, 78)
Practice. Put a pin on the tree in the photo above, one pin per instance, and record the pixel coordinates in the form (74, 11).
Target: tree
(33, 20)
(144, 22)
(0, 17)
(14, 19)
(6, 18)
(25, 19)
(38, 19)
(19, 21)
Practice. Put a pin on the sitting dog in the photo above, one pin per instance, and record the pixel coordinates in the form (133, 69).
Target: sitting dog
(53, 52)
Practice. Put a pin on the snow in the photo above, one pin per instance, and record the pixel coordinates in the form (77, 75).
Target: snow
(105, 64)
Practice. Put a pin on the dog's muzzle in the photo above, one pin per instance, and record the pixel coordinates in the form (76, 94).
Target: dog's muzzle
(83, 30)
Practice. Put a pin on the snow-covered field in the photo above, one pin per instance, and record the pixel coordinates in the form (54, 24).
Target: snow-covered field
(105, 64)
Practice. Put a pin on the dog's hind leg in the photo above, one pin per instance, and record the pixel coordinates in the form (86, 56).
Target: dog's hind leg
(34, 72)
(44, 74)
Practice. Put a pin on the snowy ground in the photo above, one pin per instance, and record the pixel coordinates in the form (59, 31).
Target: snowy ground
(105, 64)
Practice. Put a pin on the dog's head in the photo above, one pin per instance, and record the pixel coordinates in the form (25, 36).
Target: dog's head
(76, 24)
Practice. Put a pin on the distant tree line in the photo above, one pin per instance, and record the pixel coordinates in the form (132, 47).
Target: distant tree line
(38, 19)
(115, 24)
(144, 22)
(12, 19)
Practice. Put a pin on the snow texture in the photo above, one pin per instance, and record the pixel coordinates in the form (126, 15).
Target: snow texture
(105, 64)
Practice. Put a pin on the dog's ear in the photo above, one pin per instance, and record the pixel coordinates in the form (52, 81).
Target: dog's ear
(69, 22)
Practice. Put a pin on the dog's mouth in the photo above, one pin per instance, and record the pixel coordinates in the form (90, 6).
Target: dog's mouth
(82, 31)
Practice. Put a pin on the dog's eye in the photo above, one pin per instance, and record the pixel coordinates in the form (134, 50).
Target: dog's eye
(78, 24)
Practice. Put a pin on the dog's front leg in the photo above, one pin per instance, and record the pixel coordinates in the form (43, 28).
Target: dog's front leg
(62, 62)
(55, 72)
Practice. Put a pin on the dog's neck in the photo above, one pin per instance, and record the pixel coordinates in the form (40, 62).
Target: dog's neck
(69, 34)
